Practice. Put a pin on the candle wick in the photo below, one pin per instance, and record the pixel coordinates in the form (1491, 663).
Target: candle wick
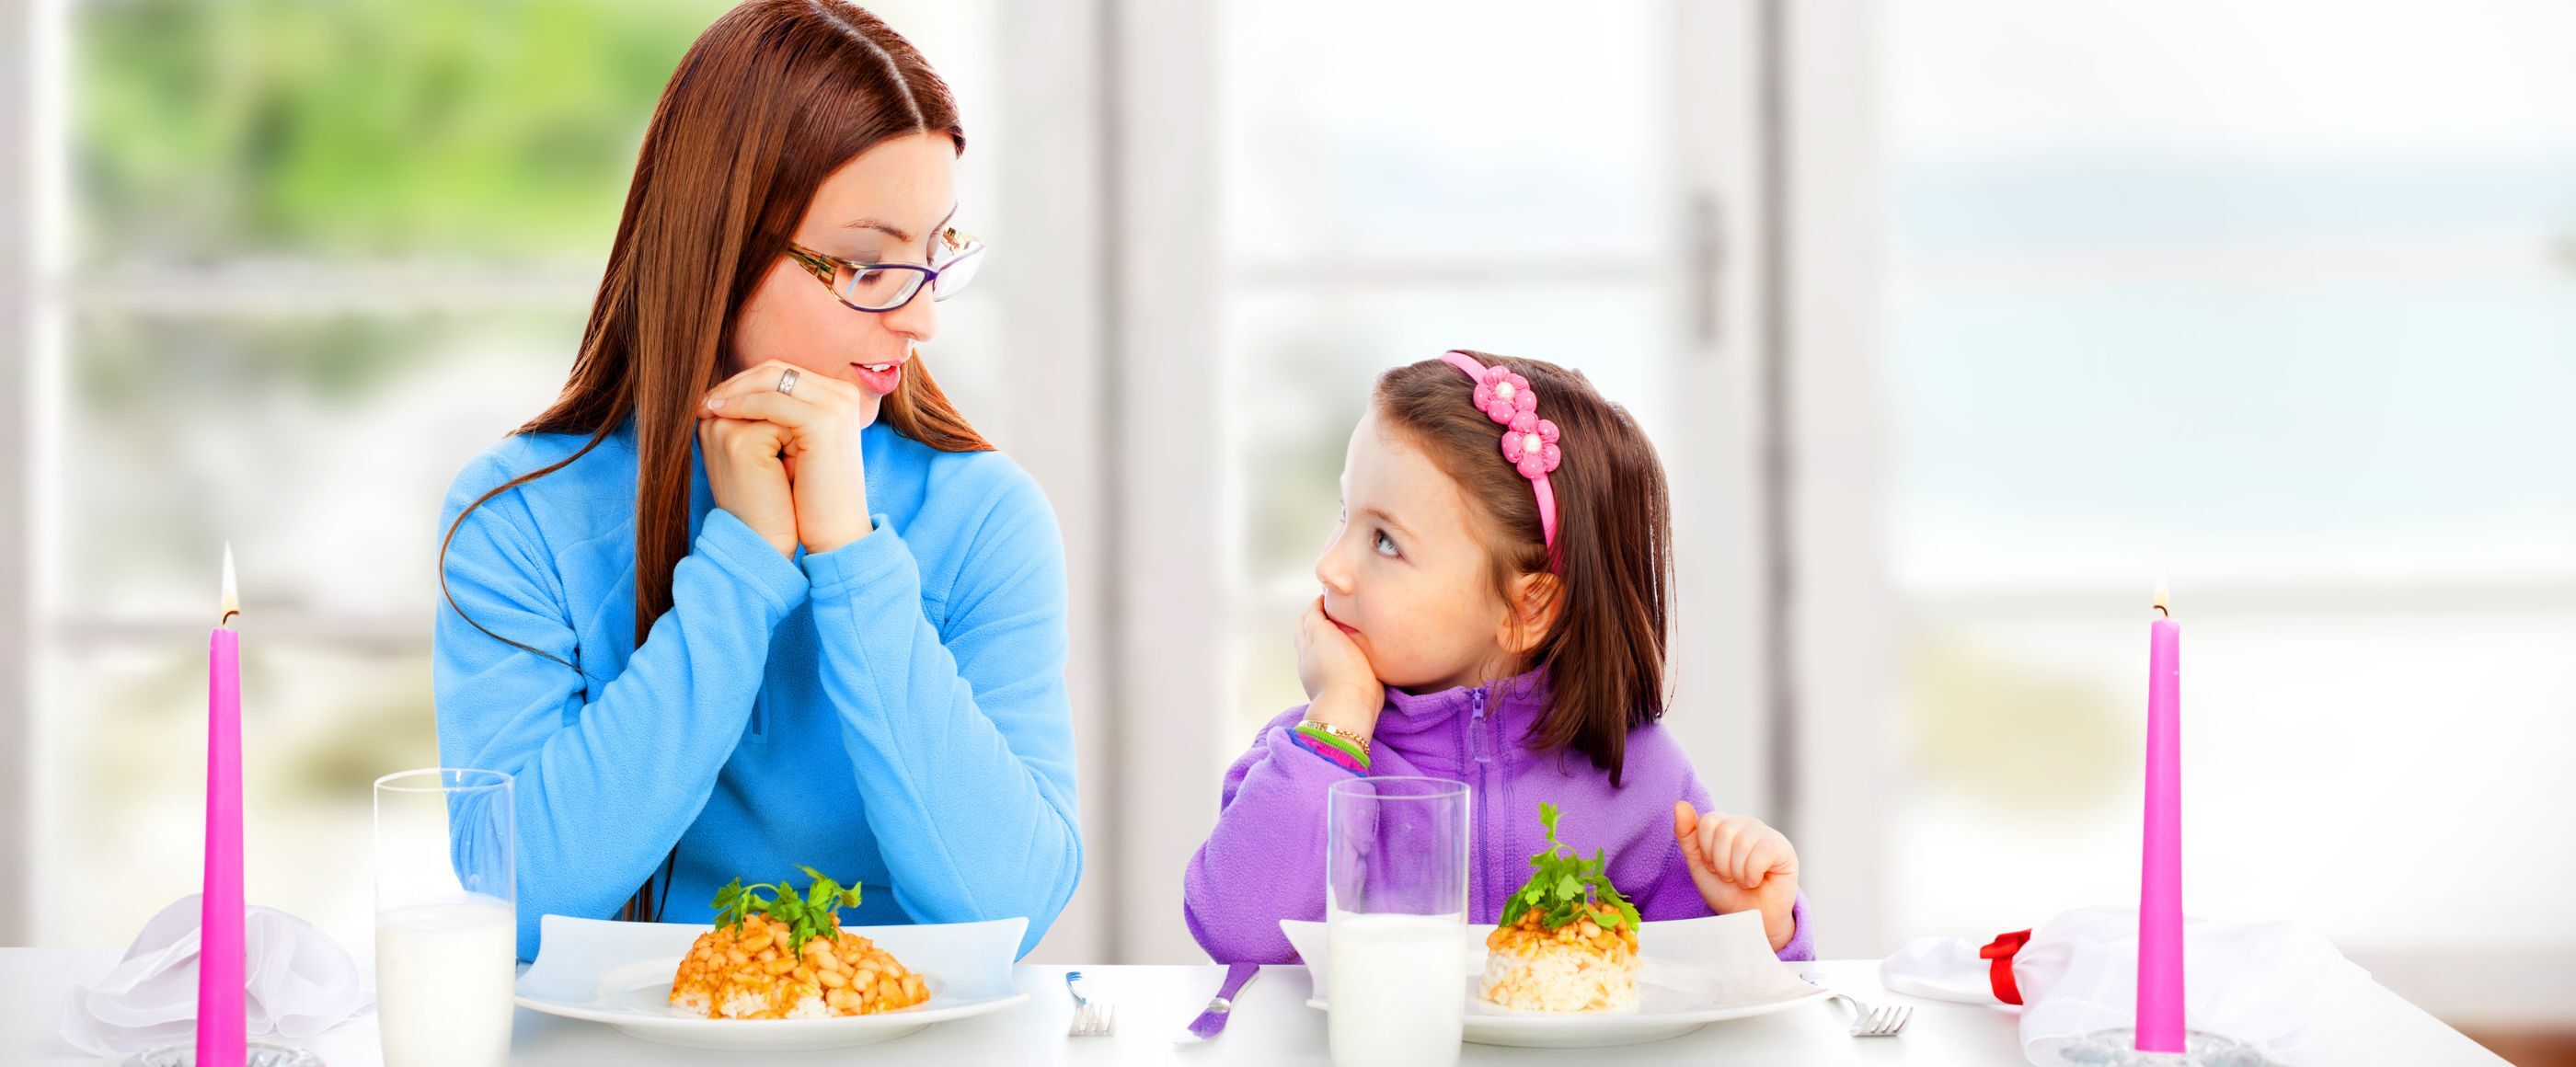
(231, 604)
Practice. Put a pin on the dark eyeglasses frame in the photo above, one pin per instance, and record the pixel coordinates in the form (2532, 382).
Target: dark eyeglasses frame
(956, 247)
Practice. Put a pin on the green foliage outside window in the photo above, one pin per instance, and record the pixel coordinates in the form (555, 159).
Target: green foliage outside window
(454, 129)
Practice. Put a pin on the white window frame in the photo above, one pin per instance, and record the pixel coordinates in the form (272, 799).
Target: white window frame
(1057, 345)
(19, 32)
(1163, 377)
(1840, 610)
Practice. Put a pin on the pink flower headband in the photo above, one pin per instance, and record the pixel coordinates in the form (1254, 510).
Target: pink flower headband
(1529, 442)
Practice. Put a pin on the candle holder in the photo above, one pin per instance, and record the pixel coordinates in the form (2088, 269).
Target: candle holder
(2118, 1047)
(262, 1054)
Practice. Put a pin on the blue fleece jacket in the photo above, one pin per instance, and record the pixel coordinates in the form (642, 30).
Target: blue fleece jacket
(892, 713)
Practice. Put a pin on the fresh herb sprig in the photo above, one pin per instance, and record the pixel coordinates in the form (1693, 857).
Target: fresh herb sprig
(1563, 886)
(814, 914)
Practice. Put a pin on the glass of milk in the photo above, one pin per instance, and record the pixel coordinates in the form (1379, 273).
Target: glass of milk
(1395, 914)
(447, 925)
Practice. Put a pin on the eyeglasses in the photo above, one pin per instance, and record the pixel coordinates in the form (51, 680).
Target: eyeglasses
(887, 286)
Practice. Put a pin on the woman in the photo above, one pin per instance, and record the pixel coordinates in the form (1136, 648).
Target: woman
(752, 594)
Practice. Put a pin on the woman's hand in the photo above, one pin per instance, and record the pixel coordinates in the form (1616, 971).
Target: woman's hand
(818, 428)
(1739, 863)
(1341, 688)
(748, 478)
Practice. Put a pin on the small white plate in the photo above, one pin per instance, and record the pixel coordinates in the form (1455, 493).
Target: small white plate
(1691, 972)
(620, 974)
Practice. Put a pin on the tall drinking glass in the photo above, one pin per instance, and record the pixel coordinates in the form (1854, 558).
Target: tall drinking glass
(446, 917)
(1395, 911)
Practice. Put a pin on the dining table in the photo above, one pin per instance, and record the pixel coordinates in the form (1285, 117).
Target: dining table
(1271, 1024)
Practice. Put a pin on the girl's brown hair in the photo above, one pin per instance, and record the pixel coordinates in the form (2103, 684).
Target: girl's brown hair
(770, 100)
(1604, 654)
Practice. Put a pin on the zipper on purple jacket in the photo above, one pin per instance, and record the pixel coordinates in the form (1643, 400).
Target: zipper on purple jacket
(1476, 726)
(1480, 799)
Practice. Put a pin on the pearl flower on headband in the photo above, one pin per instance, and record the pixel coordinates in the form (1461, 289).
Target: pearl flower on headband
(1503, 395)
(1530, 444)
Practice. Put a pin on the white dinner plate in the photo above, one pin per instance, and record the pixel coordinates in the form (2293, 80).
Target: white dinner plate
(1691, 972)
(620, 974)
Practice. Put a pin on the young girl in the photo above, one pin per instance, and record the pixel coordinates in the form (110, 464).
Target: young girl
(1492, 615)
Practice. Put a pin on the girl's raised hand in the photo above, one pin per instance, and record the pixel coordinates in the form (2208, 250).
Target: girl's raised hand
(1341, 687)
(819, 423)
(1740, 863)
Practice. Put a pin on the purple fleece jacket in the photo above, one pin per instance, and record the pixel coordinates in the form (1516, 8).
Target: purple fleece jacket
(1265, 860)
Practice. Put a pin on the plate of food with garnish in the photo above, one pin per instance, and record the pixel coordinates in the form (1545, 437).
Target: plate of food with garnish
(1571, 966)
(775, 972)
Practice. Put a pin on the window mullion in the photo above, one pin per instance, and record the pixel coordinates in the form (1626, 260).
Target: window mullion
(19, 24)
(293, 288)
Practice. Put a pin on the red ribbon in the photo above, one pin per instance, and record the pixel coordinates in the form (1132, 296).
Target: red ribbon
(2001, 950)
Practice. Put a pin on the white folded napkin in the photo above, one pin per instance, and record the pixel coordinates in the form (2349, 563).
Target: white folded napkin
(2278, 986)
(301, 982)
(1718, 960)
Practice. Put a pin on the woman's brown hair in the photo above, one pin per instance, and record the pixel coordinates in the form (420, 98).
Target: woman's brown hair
(771, 99)
(1604, 652)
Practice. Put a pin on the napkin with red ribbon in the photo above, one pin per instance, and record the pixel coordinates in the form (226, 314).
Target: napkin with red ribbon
(2278, 986)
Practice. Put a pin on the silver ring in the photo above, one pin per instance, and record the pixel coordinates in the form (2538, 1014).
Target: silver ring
(787, 381)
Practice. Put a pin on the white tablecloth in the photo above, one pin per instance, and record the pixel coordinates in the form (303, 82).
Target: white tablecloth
(1272, 1025)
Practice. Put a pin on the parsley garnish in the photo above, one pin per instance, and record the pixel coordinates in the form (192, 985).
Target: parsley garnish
(815, 914)
(1564, 886)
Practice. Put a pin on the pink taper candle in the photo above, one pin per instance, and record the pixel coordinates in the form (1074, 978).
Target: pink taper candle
(2160, 868)
(221, 1014)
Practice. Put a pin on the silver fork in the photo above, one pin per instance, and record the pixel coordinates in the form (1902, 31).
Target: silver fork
(1882, 1021)
(1091, 1018)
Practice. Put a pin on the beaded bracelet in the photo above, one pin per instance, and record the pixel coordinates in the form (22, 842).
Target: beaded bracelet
(1331, 749)
(1340, 741)
(1348, 738)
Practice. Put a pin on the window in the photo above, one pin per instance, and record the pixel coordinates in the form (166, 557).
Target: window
(1399, 182)
(2295, 336)
(1383, 182)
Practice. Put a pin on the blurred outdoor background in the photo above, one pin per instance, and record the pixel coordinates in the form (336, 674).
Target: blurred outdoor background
(1960, 326)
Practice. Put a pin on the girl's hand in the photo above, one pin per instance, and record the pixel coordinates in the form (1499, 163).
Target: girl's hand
(1739, 863)
(819, 426)
(748, 478)
(1341, 688)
